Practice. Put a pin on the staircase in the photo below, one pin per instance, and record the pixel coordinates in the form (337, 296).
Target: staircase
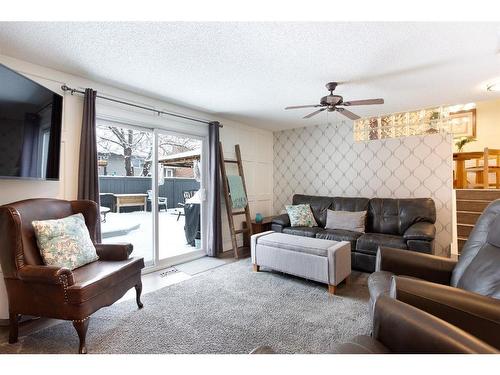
(470, 205)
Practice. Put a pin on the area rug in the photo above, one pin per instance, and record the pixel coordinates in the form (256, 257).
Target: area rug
(229, 309)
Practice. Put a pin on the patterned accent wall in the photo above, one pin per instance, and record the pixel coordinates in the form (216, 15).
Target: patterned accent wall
(325, 160)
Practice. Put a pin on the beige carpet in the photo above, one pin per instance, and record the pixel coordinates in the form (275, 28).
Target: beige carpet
(229, 309)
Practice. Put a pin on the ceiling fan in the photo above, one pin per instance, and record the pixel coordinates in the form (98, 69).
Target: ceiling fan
(332, 102)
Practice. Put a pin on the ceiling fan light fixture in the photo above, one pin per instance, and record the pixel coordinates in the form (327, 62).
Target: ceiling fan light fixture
(494, 87)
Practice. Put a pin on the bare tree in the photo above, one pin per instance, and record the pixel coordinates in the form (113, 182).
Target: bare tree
(130, 143)
(134, 143)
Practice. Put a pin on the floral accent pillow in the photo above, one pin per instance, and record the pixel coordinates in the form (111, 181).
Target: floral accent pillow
(301, 215)
(65, 242)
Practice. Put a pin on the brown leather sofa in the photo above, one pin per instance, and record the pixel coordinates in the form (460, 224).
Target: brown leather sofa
(39, 290)
(465, 293)
(399, 328)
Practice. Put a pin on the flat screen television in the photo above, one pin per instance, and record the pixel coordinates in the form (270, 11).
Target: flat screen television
(30, 128)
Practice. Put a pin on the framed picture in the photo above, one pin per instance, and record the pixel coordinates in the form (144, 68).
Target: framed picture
(463, 123)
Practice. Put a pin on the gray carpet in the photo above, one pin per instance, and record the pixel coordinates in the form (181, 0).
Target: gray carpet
(229, 309)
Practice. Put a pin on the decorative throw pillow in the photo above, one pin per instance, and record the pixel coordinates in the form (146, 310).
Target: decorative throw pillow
(65, 242)
(353, 221)
(301, 215)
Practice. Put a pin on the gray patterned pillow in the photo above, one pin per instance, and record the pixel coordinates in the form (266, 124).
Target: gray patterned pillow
(65, 242)
(301, 215)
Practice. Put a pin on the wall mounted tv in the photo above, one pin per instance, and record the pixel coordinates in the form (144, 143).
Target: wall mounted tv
(30, 128)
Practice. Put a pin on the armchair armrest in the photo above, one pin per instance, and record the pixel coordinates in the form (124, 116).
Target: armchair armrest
(113, 252)
(420, 231)
(410, 263)
(474, 313)
(405, 329)
(283, 220)
(46, 275)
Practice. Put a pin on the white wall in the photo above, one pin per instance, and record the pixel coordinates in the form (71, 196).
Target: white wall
(256, 144)
(257, 154)
(487, 126)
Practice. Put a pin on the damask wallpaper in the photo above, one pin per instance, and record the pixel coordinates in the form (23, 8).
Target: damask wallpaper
(325, 160)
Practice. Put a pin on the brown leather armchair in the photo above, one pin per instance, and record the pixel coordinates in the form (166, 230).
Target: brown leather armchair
(39, 290)
(465, 293)
(399, 328)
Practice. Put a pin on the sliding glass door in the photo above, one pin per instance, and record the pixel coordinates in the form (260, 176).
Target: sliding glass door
(180, 195)
(151, 191)
(125, 181)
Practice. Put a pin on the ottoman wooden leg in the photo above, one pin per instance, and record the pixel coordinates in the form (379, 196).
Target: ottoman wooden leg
(331, 289)
(255, 267)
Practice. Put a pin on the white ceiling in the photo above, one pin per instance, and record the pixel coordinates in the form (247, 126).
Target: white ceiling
(251, 71)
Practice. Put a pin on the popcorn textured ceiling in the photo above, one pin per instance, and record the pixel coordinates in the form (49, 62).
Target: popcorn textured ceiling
(250, 71)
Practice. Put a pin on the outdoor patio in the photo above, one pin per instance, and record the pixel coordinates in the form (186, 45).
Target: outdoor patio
(137, 228)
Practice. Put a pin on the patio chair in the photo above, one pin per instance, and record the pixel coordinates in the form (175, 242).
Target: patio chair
(180, 206)
(162, 201)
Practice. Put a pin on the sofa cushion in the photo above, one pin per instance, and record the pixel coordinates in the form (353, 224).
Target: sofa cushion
(395, 216)
(482, 276)
(481, 235)
(339, 235)
(94, 278)
(351, 204)
(312, 246)
(301, 215)
(303, 231)
(369, 242)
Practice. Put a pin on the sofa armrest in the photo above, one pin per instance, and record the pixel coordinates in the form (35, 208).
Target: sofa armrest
(113, 252)
(280, 222)
(405, 329)
(283, 220)
(420, 231)
(410, 263)
(46, 275)
(474, 313)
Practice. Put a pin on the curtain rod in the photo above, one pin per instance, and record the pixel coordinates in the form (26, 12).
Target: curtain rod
(66, 88)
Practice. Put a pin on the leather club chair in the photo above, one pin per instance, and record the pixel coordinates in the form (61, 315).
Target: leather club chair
(53, 292)
(465, 293)
(399, 328)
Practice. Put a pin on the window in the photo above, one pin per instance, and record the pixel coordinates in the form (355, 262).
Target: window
(168, 172)
(425, 121)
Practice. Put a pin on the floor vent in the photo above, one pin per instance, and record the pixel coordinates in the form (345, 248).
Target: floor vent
(168, 271)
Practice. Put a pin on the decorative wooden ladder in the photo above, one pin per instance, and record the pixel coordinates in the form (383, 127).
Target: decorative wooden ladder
(227, 198)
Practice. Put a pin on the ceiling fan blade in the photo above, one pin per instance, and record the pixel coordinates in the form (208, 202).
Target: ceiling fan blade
(348, 114)
(364, 102)
(303, 106)
(314, 113)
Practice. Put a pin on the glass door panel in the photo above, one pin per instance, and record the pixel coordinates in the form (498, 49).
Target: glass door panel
(125, 184)
(179, 195)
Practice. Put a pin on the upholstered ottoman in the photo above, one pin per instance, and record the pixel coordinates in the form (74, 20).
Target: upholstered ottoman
(316, 259)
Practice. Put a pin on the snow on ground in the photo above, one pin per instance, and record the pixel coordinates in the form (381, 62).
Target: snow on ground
(137, 228)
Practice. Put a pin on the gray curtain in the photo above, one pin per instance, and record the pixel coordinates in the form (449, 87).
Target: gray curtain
(88, 173)
(214, 214)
